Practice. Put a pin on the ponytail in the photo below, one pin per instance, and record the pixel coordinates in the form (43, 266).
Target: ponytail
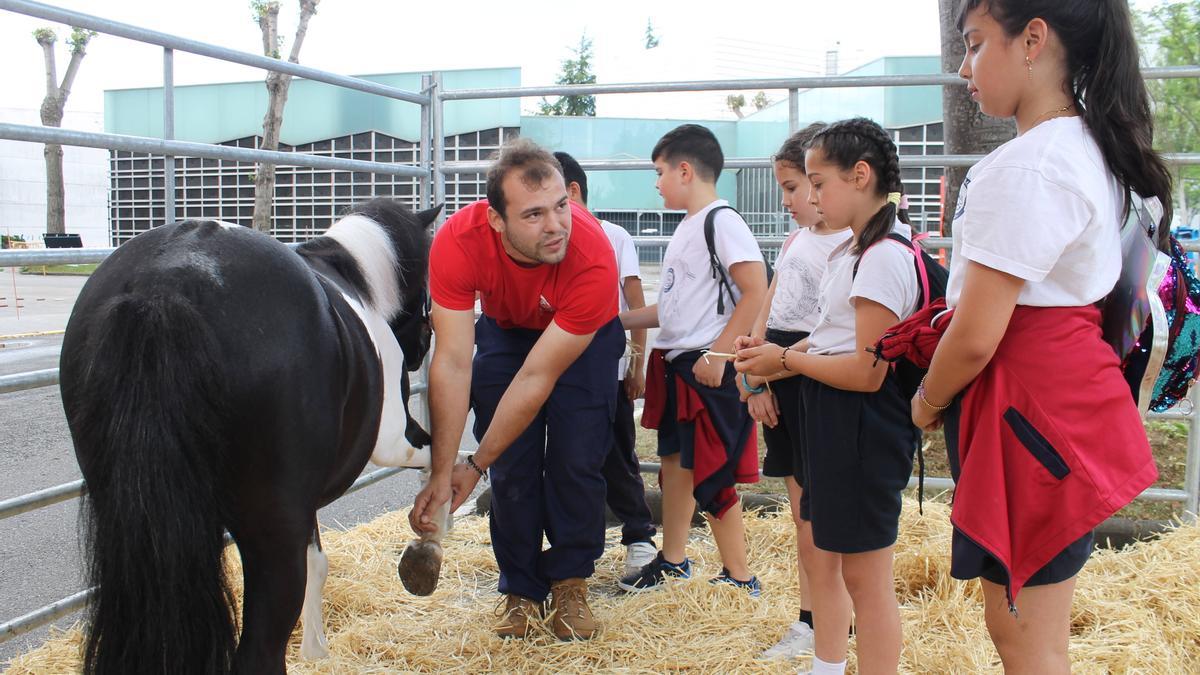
(1104, 79)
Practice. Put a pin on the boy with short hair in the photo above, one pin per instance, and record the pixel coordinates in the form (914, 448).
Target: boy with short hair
(706, 438)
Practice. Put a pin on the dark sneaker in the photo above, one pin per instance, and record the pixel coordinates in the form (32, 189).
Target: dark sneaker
(654, 574)
(753, 587)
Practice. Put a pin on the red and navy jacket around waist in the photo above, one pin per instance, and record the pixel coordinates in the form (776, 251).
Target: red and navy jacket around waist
(725, 443)
(1047, 442)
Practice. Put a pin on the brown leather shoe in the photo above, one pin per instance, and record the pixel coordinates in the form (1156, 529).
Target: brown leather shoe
(518, 616)
(572, 619)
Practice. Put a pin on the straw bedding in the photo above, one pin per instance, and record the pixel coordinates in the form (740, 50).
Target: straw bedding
(1135, 610)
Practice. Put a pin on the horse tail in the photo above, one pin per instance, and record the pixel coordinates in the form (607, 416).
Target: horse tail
(149, 424)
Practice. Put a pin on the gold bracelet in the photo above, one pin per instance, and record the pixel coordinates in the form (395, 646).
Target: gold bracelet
(783, 359)
(921, 395)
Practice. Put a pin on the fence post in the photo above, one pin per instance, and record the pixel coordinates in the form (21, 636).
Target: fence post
(426, 199)
(793, 111)
(1191, 473)
(168, 134)
(437, 116)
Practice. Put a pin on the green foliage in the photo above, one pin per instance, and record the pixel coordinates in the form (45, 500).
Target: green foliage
(45, 35)
(6, 238)
(1170, 36)
(761, 101)
(736, 102)
(577, 70)
(260, 8)
(79, 39)
(651, 38)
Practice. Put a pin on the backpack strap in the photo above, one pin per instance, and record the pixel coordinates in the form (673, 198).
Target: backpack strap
(913, 248)
(714, 261)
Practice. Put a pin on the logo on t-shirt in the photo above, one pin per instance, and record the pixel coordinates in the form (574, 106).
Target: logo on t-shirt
(669, 280)
(544, 304)
(961, 207)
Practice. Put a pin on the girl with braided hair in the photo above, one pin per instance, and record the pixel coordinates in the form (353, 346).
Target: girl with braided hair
(1040, 460)
(858, 438)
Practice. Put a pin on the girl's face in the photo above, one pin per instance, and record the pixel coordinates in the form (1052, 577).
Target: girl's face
(796, 189)
(840, 197)
(994, 65)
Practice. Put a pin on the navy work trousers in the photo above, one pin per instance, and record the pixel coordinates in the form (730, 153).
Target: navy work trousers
(550, 480)
(623, 475)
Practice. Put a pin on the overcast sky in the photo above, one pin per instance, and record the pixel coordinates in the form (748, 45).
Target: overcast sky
(698, 40)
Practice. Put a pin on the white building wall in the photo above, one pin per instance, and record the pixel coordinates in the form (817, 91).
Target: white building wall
(23, 182)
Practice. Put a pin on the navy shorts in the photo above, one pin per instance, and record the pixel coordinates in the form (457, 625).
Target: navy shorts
(859, 450)
(785, 442)
(968, 561)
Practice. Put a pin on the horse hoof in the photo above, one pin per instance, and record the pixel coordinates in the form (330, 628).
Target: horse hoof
(420, 565)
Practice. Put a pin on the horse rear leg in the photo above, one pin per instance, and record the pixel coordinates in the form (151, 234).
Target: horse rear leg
(274, 570)
(313, 645)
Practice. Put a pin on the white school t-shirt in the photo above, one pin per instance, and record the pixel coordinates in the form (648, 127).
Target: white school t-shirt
(687, 301)
(887, 275)
(627, 266)
(798, 274)
(1043, 207)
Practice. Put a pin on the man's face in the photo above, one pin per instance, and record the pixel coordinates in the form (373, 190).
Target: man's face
(536, 225)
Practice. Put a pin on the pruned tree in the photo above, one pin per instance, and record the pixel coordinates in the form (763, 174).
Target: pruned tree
(967, 131)
(761, 100)
(52, 110)
(736, 102)
(577, 70)
(266, 15)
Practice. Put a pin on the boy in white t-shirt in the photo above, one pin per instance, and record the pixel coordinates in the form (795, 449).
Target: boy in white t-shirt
(706, 438)
(625, 490)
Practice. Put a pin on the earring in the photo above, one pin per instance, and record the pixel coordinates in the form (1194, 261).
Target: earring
(1029, 65)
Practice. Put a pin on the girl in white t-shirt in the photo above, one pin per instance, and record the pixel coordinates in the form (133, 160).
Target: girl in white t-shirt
(858, 439)
(788, 315)
(1045, 440)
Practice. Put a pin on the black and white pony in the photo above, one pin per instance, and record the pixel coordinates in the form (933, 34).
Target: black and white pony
(213, 380)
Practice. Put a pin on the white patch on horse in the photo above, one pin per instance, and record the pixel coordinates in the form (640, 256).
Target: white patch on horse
(391, 445)
(228, 225)
(313, 644)
(375, 253)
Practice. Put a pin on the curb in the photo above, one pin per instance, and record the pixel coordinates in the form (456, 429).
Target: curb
(40, 333)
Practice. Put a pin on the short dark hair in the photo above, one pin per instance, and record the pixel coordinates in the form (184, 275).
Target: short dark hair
(535, 164)
(573, 173)
(694, 144)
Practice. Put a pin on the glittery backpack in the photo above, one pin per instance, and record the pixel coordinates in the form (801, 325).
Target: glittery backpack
(1152, 316)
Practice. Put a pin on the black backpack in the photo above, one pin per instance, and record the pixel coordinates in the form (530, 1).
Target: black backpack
(932, 279)
(714, 261)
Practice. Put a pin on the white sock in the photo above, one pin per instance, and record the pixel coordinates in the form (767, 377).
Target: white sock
(820, 667)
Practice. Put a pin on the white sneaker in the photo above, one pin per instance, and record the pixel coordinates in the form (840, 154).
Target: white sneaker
(796, 642)
(638, 555)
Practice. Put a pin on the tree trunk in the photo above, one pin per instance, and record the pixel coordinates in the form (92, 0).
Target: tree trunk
(967, 131)
(277, 93)
(56, 219)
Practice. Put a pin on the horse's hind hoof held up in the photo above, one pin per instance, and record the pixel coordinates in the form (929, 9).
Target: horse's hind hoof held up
(420, 565)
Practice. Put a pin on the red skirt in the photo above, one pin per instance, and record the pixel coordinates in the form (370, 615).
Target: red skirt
(1049, 441)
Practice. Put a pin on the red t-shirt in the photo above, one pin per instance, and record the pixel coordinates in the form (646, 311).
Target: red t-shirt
(579, 293)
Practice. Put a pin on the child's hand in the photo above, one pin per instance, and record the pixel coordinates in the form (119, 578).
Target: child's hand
(709, 372)
(925, 417)
(762, 360)
(635, 385)
(746, 342)
(764, 408)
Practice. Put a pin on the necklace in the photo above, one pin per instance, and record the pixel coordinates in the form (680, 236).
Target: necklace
(1056, 111)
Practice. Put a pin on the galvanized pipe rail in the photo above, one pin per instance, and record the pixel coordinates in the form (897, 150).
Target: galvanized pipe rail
(102, 25)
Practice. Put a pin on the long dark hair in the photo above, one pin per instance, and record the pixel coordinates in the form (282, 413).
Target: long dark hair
(849, 142)
(1105, 81)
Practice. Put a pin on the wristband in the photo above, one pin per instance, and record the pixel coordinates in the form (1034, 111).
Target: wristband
(921, 395)
(471, 463)
(753, 390)
(783, 359)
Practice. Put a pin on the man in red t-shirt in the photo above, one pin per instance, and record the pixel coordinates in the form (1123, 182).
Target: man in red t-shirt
(540, 383)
